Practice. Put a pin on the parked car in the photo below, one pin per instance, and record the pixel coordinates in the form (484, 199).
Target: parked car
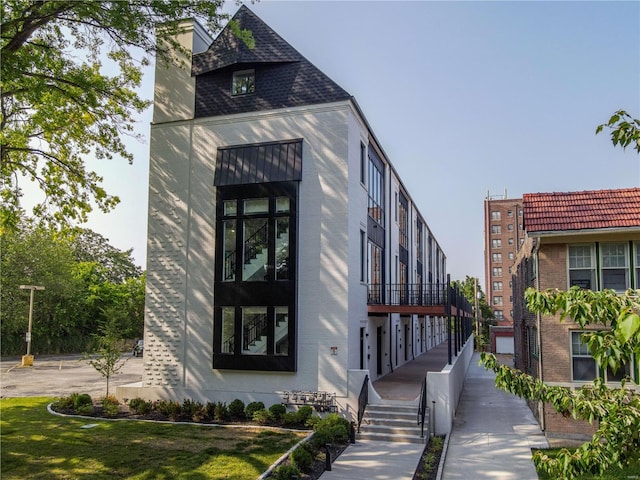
(138, 348)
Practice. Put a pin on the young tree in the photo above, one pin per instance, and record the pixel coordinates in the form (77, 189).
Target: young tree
(60, 104)
(107, 357)
(617, 410)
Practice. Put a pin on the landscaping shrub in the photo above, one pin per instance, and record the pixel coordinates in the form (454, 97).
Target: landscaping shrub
(278, 410)
(303, 414)
(236, 409)
(170, 409)
(286, 472)
(192, 409)
(263, 417)
(253, 407)
(66, 403)
(221, 412)
(302, 458)
(110, 406)
(81, 400)
(139, 406)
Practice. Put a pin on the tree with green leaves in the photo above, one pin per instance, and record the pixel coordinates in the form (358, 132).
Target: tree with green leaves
(107, 357)
(624, 130)
(69, 75)
(470, 287)
(613, 340)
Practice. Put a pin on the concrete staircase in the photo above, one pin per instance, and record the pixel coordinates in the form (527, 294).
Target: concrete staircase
(393, 423)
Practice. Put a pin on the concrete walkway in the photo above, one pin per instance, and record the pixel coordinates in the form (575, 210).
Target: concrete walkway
(493, 433)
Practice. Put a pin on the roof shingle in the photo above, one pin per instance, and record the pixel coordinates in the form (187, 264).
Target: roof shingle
(596, 209)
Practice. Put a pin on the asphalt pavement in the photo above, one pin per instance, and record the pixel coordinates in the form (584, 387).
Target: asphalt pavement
(60, 376)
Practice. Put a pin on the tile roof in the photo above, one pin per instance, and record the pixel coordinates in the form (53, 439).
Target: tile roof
(596, 209)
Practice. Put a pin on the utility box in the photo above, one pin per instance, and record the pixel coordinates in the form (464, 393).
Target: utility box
(27, 360)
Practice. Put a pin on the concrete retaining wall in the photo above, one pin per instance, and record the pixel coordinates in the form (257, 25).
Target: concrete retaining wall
(445, 388)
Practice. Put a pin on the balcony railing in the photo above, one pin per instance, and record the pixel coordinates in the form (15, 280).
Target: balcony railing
(407, 294)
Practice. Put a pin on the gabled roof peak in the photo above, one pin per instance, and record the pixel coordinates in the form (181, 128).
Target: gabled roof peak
(227, 49)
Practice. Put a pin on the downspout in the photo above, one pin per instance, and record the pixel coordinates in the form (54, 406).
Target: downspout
(388, 249)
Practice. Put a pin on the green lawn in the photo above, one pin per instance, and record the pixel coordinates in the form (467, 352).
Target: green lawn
(37, 445)
(632, 471)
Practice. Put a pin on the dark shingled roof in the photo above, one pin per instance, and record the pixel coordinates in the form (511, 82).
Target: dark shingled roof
(283, 77)
(570, 211)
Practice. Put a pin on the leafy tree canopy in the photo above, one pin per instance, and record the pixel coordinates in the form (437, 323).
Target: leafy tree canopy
(469, 287)
(613, 340)
(60, 104)
(625, 130)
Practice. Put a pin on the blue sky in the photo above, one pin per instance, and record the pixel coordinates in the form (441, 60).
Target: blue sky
(466, 98)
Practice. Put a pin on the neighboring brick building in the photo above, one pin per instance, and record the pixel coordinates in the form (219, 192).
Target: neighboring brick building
(503, 235)
(590, 239)
(284, 252)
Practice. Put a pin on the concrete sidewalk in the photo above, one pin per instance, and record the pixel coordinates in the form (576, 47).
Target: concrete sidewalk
(376, 461)
(493, 432)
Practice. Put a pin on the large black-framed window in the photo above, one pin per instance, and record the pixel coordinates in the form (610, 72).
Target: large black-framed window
(255, 294)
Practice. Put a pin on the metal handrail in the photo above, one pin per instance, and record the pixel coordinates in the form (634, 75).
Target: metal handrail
(422, 406)
(363, 400)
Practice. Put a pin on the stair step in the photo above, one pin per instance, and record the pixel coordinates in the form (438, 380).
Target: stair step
(393, 423)
(388, 437)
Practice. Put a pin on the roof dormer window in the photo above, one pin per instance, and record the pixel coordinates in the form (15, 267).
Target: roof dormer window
(244, 82)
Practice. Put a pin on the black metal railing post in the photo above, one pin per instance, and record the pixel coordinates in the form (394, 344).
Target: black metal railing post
(422, 406)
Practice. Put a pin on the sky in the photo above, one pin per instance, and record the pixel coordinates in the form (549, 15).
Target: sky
(467, 99)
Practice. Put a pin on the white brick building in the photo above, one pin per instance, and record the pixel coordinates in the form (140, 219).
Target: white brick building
(284, 252)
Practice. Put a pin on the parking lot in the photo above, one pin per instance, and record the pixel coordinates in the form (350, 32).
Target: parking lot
(57, 376)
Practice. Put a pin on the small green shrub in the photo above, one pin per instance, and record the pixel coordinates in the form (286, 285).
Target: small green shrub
(66, 403)
(263, 417)
(278, 410)
(82, 400)
(110, 406)
(302, 458)
(192, 409)
(139, 406)
(221, 412)
(236, 409)
(286, 472)
(304, 413)
(170, 409)
(253, 407)
(290, 419)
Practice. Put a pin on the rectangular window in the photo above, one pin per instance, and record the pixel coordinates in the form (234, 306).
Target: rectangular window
(281, 337)
(403, 225)
(495, 229)
(229, 252)
(496, 243)
(254, 330)
(499, 314)
(255, 248)
(374, 273)
(282, 248)
(419, 241)
(363, 163)
(615, 266)
(510, 213)
(363, 255)
(376, 192)
(582, 272)
(497, 286)
(497, 301)
(228, 330)
(243, 83)
(495, 215)
(510, 242)
(496, 257)
(582, 363)
(497, 271)
(510, 227)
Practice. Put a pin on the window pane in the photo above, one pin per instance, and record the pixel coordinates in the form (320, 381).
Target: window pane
(229, 253)
(582, 278)
(614, 278)
(584, 369)
(614, 256)
(243, 82)
(282, 204)
(282, 248)
(228, 333)
(256, 205)
(580, 256)
(254, 265)
(281, 336)
(230, 208)
(577, 347)
(254, 330)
